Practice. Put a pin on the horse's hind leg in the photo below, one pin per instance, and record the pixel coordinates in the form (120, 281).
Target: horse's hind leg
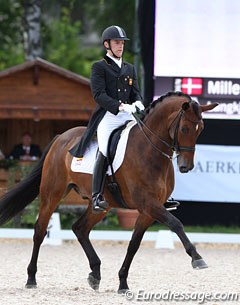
(81, 229)
(176, 226)
(49, 202)
(142, 223)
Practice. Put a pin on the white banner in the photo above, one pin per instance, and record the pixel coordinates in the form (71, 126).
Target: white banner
(215, 177)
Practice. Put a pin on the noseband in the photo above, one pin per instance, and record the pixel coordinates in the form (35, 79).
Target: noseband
(175, 147)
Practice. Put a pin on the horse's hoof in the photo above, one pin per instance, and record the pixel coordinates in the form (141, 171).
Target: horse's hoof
(123, 291)
(93, 282)
(31, 286)
(199, 264)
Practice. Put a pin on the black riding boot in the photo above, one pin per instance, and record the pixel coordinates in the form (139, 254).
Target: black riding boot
(98, 181)
(171, 203)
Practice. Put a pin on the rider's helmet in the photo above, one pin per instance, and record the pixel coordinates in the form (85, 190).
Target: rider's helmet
(114, 32)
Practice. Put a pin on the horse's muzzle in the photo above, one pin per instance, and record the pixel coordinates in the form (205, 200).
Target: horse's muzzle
(184, 164)
(183, 169)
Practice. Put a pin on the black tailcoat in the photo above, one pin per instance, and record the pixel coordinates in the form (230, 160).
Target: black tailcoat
(110, 86)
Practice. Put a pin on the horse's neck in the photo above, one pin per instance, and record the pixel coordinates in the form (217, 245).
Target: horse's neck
(146, 143)
(158, 122)
(155, 133)
(144, 160)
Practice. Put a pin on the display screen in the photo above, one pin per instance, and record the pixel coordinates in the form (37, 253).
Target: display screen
(197, 49)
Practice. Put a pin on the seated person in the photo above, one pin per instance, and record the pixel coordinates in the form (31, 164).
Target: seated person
(26, 150)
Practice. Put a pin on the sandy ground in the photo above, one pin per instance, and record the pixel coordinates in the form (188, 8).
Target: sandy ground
(62, 273)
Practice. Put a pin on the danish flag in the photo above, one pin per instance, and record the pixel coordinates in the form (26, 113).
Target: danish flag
(191, 86)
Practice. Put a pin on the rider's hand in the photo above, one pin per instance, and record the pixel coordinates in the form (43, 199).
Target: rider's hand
(139, 105)
(127, 108)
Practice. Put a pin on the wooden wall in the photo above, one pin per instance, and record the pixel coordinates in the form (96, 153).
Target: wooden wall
(43, 131)
(45, 100)
(44, 95)
(11, 132)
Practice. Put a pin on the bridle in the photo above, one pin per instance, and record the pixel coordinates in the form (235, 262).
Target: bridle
(174, 147)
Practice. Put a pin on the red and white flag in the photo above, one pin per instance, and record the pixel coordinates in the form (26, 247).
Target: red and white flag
(192, 86)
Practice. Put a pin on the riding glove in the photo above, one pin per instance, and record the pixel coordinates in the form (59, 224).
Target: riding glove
(139, 104)
(127, 108)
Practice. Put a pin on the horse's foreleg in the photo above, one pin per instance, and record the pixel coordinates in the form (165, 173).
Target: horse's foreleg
(142, 223)
(81, 229)
(176, 226)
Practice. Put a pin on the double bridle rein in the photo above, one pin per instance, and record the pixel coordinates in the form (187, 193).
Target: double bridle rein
(175, 147)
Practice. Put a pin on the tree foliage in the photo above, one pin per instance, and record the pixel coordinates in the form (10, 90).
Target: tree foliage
(11, 33)
(63, 45)
(104, 13)
(63, 25)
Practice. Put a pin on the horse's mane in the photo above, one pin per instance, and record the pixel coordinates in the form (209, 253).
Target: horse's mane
(170, 94)
(162, 97)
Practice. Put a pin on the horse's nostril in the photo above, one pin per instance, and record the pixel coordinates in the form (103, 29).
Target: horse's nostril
(183, 169)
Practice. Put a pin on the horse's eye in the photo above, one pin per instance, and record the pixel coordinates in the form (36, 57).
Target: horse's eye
(184, 129)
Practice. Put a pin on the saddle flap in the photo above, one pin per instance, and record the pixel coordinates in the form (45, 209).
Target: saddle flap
(113, 142)
(85, 164)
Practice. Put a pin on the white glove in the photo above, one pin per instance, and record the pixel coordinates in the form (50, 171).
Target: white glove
(128, 108)
(139, 104)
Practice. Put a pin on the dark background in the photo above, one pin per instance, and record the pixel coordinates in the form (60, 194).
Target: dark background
(216, 132)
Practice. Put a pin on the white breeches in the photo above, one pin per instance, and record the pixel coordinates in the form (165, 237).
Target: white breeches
(108, 123)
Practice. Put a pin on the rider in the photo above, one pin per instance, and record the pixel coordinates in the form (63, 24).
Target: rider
(115, 89)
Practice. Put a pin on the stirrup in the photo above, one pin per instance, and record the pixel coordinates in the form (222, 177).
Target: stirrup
(171, 203)
(99, 203)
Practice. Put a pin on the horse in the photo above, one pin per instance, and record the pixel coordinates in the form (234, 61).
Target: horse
(171, 125)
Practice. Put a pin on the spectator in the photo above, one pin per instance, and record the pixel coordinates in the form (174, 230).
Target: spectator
(26, 150)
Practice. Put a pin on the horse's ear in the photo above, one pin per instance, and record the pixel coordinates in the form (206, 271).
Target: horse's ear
(208, 107)
(185, 106)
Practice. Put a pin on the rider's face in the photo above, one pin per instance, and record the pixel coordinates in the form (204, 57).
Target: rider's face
(117, 47)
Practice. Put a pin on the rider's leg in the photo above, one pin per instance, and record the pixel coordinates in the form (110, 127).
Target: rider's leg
(98, 181)
(108, 123)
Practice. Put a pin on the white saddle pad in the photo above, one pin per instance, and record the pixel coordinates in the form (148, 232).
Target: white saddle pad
(86, 164)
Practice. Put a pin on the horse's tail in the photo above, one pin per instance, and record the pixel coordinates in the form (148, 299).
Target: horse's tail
(23, 193)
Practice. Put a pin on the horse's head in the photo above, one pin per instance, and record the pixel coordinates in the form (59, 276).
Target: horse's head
(173, 123)
(184, 129)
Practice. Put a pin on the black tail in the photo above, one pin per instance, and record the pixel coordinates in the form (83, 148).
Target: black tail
(23, 193)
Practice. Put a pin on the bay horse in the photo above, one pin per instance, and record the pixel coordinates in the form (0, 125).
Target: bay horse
(146, 178)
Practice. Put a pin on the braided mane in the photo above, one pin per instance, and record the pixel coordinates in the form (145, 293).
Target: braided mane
(161, 98)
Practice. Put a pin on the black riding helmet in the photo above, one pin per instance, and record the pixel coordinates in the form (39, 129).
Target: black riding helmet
(113, 32)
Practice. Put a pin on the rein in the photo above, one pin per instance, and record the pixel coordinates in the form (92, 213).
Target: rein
(175, 147)
(141, 125)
